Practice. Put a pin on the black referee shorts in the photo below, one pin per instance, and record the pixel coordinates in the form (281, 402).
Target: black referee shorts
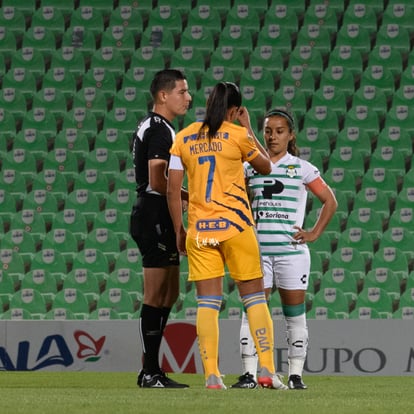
(152, 229)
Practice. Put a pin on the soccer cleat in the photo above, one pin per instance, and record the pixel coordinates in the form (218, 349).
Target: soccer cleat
(268, 380)
(245, 381)
(295, 383)
(159, 380)
(215, 383)
(140, 377)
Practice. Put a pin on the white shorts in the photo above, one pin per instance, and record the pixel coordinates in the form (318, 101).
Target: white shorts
(287, 272)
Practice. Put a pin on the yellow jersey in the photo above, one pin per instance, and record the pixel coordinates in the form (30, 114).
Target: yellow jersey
(218, 203)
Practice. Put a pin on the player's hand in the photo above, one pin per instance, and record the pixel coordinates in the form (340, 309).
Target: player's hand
(302, 236)
(180, 240)
(243, 117)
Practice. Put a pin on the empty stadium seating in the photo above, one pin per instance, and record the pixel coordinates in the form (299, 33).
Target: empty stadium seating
(75, 81)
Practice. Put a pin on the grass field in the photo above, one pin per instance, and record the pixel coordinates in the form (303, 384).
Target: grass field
(109, 393)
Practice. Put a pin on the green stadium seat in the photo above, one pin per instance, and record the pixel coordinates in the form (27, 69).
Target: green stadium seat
(361, 14)
(317, 36)
(343, 180)
(121, 199)
(390, 158)
(128, 17)
(104, 314)
(365, 118)
(93, 260)
(237, 37)
(367, 218)
(21, 242)
(22, 79)
(12, 262)
(23, 161)
(64, 161)
(245, 15)
(88, 17)
(355, 137)
(85, 201)
(113, 220)
(51, 18)
(119, 37)
(374, 198)
(13, 19)
(118, 300)
(122, 119)
(323, 15)
(160, 38)
(32, 60)
(394, 35)
(268, 57)
(14, 183)
(379, 76)
(385, 279)
(73, 300)
(130, 98)
(229, 57)
(347, 56)
(376, 298)
(40, 119)
(53, 101)
(40, 38)
(208, 15)
(110, 58)
(86, 282)
(314, 138)
(199, 37)
(71, 220)
(166, 16)
(284, 15)
(324, 118)
(83, 119)
(342, 279)
(391, 258)
(407, 298)
(82, 39)
(42, 281)
(104, 240)
(321, 313)
(129, 258)
(64, 241)
(66, 7)
(357, 238)
(14, 101)
(399, 237)
(95, 181)
(188, 59)
(346, 157)
(386, 55)
(92, 98)
(30, 221)
(372, 96)
(71, 139)
(129, 280)
(52, 261)
(349, 258)
(61, 79)
(33, 141)
(402, 217)
(355, 36)
(70, 58)
(293, 100)
(333, 229)
(332, 298)
(275, 35)
(300, 78)
(104, 160)
(405, 197)
(382, 179)
(339, 76)
(308, 57)
(399, 13)
(31, 300)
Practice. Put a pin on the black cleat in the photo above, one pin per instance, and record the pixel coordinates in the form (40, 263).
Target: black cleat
(159, 380)
(245, 381)
(295, 383)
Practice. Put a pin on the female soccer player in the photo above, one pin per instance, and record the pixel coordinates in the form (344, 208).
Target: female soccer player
(220, 224)
(278, 203)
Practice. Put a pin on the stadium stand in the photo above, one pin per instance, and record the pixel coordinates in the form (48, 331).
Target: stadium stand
(357, 56)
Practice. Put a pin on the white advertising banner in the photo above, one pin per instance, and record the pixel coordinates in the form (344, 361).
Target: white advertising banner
(337, 347)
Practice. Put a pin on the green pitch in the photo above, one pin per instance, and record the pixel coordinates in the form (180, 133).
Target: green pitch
(110, 393)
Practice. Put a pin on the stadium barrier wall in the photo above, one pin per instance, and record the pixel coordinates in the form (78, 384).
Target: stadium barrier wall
(337, 347)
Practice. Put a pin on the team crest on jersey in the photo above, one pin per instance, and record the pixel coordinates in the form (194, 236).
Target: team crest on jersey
(291, 171)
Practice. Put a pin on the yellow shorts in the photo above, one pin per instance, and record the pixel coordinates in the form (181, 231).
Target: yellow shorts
(241, 254)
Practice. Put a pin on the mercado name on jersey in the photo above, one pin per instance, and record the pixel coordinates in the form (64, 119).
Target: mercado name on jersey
(279, 203)
(218, 204)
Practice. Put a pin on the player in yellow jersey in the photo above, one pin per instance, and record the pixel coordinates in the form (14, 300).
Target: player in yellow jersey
(220, 224)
